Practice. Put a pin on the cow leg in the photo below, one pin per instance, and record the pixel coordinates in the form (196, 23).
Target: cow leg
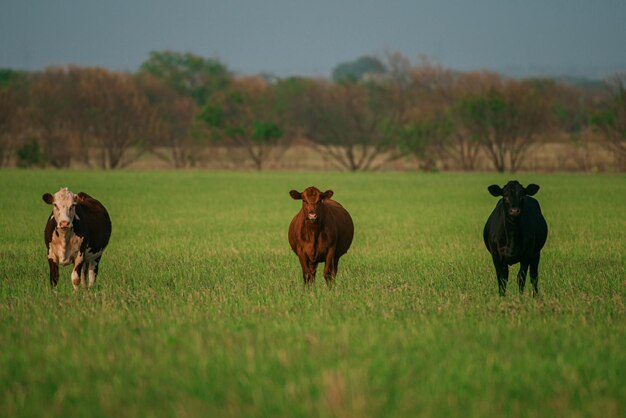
(503, 278)
(54, 272)
(304, 264)
(93, 271)
(534, 273)
(83, 273)
(329, 268)
(78, 266)
(312, 271)
(521, 276)
(502, 273)
(335, 266)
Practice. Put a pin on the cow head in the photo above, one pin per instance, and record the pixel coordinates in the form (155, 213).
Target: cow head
(312, 199)
(512, 195)
(63, 207)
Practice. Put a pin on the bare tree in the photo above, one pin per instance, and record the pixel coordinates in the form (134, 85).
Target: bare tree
(118, 116)
(354, 123)
(79, 114)
(49, 112)
(172, 118)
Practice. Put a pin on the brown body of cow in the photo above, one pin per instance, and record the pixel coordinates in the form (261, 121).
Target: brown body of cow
(321, 232)
(77, 232)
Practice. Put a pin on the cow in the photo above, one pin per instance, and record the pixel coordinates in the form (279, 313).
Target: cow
(515, 232)
(321, 231)
(77, 232)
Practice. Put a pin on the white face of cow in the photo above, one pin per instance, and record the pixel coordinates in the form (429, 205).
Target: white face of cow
(63, 207)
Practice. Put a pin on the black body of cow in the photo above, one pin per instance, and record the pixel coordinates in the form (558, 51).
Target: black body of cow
(515, 232)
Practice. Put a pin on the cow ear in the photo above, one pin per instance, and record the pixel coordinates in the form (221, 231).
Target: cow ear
(48, 198)
(531, 189)
(295, 195)
(327, 194)
(495, 190)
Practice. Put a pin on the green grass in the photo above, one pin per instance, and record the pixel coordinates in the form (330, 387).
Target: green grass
(199, 309)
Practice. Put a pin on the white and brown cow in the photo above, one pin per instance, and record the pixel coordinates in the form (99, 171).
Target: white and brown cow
(77, 232)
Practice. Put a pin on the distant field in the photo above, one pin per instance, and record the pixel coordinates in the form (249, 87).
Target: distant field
(199, 308)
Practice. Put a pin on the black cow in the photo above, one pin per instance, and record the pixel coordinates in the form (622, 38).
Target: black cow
(515, 233)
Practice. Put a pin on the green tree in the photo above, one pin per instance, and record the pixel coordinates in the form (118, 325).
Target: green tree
(12, 78)
(248, 117)
(506, 120)
(422, 138)
(29, 154)
(13, 103)
(188, 74)
(358, 69)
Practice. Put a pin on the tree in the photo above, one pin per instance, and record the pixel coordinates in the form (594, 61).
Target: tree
(462, 145)
(358, 69)
(172, 117)
(188, 74)
(29, 154)
(610, 119)
(425, 138)
(247, 116)
(571, 111)
(506, 120)
(79, 113)
(353, 123)
(430, 91)
(13, 90)
(49, 112)
(118, 114)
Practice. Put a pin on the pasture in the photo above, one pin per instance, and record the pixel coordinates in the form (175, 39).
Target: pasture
(199, 308)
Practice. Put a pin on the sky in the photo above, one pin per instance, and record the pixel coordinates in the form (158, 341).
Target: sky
(294, 37)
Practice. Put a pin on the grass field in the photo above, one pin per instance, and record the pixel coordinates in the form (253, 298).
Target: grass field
(199, 309)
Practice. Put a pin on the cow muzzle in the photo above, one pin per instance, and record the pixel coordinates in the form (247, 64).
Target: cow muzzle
(65, 225)
(312, 216)
(514, 212)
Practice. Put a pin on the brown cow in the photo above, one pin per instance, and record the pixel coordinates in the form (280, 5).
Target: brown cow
(321, 232)
(77, 231)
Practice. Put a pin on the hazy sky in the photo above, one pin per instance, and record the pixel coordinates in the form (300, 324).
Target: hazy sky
(310, 37)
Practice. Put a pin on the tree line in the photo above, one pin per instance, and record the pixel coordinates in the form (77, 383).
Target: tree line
(179, 106)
